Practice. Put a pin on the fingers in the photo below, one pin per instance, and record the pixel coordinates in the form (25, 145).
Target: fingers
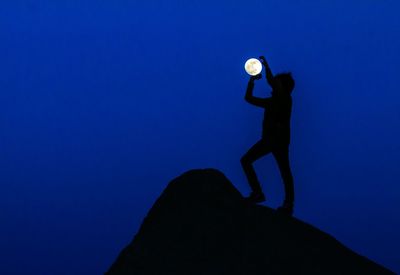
(256, 77)
(263, 60)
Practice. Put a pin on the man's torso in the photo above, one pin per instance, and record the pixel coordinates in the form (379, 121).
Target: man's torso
(276, 123)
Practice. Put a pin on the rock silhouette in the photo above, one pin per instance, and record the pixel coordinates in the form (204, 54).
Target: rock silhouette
(201, 224)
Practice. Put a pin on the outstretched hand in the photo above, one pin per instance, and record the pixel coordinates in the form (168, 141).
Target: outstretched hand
(264, 61)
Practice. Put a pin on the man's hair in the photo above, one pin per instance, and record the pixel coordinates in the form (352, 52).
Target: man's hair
(287, 81)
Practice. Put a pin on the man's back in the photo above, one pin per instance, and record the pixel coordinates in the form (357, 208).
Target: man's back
(276, 124)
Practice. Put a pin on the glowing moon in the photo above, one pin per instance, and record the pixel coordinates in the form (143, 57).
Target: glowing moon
(253, 66)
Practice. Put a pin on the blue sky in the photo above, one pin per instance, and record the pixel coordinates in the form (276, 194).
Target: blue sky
(103, 103)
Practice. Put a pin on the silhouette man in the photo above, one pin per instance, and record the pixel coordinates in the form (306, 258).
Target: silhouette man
(275, 135)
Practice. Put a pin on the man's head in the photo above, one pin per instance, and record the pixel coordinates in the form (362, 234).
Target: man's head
(285, 82)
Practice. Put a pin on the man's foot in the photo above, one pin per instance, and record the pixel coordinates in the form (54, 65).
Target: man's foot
(255, 197)
(286, 209)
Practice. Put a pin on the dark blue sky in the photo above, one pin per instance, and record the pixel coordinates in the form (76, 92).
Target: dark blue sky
(102, 103)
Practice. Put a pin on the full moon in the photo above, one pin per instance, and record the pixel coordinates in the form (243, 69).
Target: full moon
(253, 66)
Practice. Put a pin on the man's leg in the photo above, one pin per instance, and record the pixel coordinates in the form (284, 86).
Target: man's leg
(281, 155)
(261, 148)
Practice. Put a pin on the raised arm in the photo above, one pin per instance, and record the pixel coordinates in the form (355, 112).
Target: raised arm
(268, 72)
(260, 102)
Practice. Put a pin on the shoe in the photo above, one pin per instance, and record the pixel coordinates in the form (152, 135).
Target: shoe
(286, 209)
(255, 197)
